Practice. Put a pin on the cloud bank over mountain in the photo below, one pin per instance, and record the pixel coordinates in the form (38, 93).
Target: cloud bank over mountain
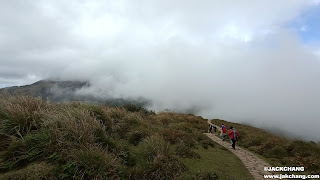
(241, 61)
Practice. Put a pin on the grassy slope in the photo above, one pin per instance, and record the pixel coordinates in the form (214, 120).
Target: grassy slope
(75, 140)
(276, 150)
(219, 160)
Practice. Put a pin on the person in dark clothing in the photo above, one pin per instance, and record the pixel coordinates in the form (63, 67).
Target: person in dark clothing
(215, 129)
(210, 128)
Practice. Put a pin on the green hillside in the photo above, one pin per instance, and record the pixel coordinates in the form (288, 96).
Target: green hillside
(43, 140)
(276, 150)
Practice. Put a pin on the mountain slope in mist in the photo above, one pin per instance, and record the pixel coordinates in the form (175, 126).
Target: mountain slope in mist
(64, 91)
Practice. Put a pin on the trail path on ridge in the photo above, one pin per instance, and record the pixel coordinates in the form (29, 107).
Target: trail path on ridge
(254, 164)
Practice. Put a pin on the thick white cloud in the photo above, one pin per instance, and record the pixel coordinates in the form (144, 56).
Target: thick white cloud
(227, 59)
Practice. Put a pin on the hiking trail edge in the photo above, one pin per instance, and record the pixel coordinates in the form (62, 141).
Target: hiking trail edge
(254, 164)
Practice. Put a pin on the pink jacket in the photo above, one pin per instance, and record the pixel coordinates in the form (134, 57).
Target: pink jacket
(231, 134)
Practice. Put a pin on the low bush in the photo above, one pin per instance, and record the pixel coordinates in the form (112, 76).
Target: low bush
(276, 152)
(137, 136)
(34, 171)
(73, 128)
(183, 151)
(95, 163)
(174, 136)
(156, 161)
(133, 108)
(21, 115)
(4, 141)
(23, 151)
(103, 139)
(205, 175)
(204, 141)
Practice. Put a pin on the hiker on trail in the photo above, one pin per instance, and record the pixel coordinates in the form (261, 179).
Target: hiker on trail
(223, 132)
(210, 128)
(233, 135)
(215, 129)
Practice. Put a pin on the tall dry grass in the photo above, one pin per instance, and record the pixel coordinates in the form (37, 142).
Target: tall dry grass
(21, 115)
(83, 141)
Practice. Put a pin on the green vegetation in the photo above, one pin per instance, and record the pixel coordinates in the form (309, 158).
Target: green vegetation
(208, 163)
(43, 140)
(277, 150)
(34, 171)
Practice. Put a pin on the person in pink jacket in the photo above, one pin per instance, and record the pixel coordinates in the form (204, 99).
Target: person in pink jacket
(233, 135)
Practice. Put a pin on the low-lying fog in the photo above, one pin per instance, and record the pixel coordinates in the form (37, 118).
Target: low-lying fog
(249, 62)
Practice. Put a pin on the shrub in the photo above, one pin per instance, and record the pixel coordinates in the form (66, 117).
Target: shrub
(113, 114)
(204, 141)
(133, 108)
(177, 136)
(254, 141)
(183, 151)
(36, 171)
(99, 113)
(155, 161)
(21, 115)
(4, 141)
(95, 163)
(132, 119)
(183, 126)
(72, 128)
(114, 120)
(153, 147)
(164, 120)
(137, 136)
(125, 154)
(101, 138)
(276, 152)
(206, 175)
(131, 126)
(301, 148)
(90, 163)
(23, 151)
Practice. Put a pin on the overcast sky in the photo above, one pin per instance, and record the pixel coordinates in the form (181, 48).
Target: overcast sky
(244, 61)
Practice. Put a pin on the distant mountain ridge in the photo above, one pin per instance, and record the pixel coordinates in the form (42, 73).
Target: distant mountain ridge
(43, 89)
(64, 91)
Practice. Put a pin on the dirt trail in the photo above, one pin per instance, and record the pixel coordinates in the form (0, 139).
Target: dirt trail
(254, 164)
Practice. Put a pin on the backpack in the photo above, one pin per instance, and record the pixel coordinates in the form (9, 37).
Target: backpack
(224, 129)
